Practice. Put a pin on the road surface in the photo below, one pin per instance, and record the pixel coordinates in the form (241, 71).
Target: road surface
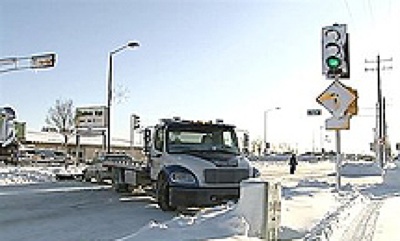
(72, 211)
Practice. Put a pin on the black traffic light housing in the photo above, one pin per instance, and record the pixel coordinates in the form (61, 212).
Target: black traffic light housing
(147, 141)
(136, 121)
(335, 51)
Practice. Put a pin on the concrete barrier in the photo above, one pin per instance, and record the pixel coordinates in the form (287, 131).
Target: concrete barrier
(260, 205)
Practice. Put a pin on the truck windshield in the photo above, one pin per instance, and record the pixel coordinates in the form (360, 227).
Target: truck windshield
(181, 139)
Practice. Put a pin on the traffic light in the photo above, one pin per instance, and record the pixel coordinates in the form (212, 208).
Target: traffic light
(147, 140)
(335, 51)
(136, 121)
(246, 142)
(43, 61)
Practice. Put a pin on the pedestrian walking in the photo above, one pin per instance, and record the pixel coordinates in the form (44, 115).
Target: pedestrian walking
(292, 163)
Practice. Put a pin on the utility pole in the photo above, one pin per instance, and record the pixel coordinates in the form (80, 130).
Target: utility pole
(380, 113)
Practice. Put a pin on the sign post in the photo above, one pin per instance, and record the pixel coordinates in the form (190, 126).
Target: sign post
(338, 99)
(338, 160)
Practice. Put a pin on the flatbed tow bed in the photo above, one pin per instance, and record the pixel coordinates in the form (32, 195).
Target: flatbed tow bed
(128, 176)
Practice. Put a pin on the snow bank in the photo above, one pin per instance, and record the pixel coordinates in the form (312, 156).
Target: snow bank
(392, 175)
(232, 222)
(24, 175)
(218, 222)
(241, 220)
(10, 175)
(338, 225)
(358, 169)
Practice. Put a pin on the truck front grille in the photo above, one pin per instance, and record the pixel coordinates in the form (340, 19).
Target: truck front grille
(225, 175)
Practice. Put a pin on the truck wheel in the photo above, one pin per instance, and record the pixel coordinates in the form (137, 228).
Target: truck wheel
(120, 187)
(163, 194)
(86, 177)
(99, 180)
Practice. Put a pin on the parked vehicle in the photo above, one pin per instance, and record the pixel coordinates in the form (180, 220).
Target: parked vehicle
(50, 157)
(189, 164)
(8, 138)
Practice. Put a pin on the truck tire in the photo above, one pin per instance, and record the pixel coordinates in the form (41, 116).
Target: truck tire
(86, 177)
(121, 187)
(99, 179)
(163, 194)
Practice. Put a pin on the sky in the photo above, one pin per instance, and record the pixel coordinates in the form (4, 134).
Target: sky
(202, 60)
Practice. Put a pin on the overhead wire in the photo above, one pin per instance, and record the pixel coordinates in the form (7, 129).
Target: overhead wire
(346, 3)
(370, 11)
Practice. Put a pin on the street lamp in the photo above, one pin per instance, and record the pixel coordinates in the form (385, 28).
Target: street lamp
(265, 126)
(132, 44)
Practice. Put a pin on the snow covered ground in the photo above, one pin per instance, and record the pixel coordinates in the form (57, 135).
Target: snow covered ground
(311, 208)
(10, 175)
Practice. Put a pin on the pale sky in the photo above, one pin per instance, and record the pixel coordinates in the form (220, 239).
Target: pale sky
(204, 60)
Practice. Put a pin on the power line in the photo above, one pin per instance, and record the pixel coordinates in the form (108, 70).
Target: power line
(370, 11)
(346, 3)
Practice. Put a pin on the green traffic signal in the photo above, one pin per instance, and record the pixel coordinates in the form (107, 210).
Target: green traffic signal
(333, 62)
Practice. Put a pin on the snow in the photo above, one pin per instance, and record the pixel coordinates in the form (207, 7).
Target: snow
(311, 208)
(10, 175)
(25, 175)
(387, 223)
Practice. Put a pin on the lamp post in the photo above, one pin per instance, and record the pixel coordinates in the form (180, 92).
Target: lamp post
(265, 126)
(132, 44)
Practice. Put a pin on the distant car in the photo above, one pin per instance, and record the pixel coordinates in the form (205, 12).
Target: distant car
(310, 157)
(98, 169)
(50, 157)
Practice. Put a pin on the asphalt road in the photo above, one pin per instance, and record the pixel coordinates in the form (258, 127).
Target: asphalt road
(72, 211)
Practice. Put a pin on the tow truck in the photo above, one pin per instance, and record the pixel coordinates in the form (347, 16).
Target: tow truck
(188, 164)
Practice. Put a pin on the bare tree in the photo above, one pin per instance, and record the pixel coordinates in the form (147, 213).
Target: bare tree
(61, 117)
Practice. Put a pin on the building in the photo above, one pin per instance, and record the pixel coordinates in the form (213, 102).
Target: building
(83, 148)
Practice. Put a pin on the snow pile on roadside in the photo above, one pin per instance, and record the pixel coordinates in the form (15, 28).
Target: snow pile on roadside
(71, 171)
(226, 222)
(335, 225)
(390, 185)
(392, 175)
(210, 224)
(232, 220)
(357, 169)
(25, 175)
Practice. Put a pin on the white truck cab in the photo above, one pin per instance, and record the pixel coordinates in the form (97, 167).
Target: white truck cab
(195, 163)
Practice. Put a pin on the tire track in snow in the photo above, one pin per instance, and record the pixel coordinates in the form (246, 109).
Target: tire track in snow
(364, 224)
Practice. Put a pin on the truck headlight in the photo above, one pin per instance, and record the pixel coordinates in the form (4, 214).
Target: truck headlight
(182, 177)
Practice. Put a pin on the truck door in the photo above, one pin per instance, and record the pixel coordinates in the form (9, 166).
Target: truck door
(156, 152)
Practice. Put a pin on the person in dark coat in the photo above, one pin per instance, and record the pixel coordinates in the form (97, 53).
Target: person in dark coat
(292, 163)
